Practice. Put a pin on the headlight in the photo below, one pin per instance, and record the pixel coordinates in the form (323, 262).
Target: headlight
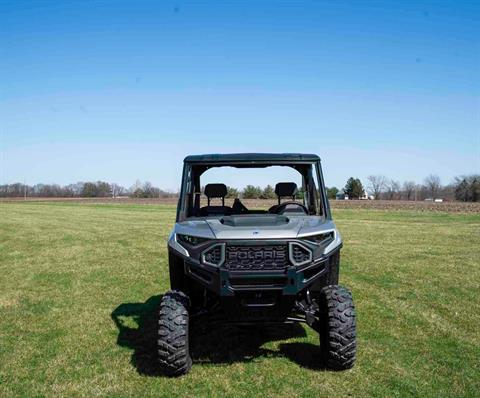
(321, 239)
(191, 240)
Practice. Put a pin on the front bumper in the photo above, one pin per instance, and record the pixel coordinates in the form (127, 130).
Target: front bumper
(289, 281)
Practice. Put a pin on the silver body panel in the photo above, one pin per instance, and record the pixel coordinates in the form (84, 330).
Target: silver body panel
(298, 226)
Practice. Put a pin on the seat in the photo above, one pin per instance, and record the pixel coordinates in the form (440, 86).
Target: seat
(215, 191)
(283, 190)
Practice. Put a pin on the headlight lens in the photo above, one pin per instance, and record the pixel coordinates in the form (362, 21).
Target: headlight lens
(191, 240)
(321, 239)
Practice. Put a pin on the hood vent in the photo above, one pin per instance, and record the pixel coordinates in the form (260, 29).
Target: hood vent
(259, 220)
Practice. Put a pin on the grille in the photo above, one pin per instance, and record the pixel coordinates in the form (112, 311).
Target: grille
(213, 255)
(272, 257)
(300, 255)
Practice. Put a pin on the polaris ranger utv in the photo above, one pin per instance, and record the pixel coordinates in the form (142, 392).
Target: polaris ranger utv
(279, 265)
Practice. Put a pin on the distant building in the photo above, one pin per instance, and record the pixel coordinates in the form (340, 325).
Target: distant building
(342, 196)
(366, 196)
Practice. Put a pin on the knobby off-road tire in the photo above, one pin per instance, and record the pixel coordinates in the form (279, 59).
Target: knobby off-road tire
(173, 328)
(337, 327)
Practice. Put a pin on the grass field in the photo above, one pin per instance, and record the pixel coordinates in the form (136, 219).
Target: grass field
(79, 286)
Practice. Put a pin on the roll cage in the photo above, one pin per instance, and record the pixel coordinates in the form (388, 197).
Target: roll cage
(315, 199)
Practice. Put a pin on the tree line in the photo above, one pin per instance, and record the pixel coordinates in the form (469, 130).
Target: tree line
(89, 189)
(252, 192)
(463, 188)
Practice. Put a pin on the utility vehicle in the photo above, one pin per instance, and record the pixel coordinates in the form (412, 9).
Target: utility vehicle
(279, 265)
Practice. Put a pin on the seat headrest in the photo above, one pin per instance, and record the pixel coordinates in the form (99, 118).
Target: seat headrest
(215, 190)
(283, 189)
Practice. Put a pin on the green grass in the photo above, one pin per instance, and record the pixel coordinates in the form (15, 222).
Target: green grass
(79, 286)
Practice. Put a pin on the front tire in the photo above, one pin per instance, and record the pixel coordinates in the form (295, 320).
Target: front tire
(337, 327)
(173, 334)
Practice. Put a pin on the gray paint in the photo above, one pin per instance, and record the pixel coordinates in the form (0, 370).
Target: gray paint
(296, 227)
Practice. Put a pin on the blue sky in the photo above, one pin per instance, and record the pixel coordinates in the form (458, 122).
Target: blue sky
(124, 90)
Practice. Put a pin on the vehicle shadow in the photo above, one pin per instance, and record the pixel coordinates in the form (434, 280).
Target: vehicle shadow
(211, 340)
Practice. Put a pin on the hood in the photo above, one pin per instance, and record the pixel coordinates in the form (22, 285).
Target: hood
(255, 227)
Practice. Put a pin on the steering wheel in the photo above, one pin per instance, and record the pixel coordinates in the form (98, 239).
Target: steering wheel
(282, 208)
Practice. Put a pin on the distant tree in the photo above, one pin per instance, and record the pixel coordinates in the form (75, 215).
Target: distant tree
(56, 191)
(392, 191)
(103, 189)
(433, 185)
(447, 192)
(136, 190)
(43, 190)
(119, 190)
(37, 188)
(467, 188)
(475, 188)
(13, 190)
(300, 194)
(75, 189)
(268, 193)
(148, 191)
(145, 190)
(354, 188)
(251, 192)
(232, 192)
(377, 185)
(89, 190)
(115, 188)
(462, 191)
(409, 189)
(79, 189)
(138, 193)
(332, 192)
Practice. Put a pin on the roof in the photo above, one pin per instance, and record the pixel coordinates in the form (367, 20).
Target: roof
(251, 157)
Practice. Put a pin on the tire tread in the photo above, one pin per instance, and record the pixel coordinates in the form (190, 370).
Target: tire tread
(173, 329)
(338, 330)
